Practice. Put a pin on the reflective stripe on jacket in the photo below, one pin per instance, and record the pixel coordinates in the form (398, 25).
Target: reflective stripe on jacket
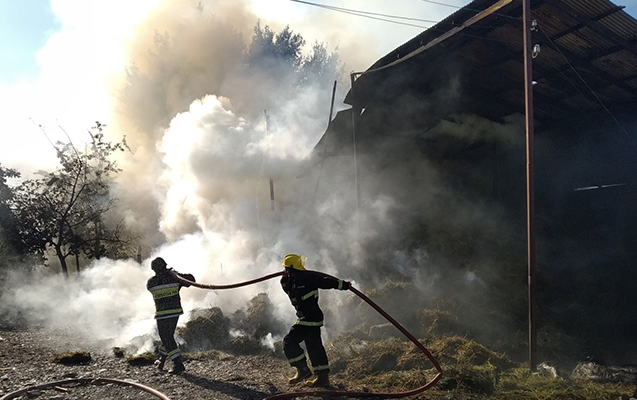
(165, 290)
(302, 289)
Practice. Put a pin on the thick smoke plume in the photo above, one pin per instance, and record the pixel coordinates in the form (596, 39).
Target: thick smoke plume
(207, 131)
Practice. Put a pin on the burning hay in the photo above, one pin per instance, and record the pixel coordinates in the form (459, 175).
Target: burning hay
(141, 359)
(394, 363)
(207, 329)
(243, 333)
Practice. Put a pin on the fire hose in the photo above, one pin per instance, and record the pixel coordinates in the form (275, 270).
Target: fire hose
(375, 306)
(84, 381)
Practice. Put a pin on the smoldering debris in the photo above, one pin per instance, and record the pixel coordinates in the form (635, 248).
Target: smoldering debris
(246, 331)
(258, 319)
(594, 372)
(392, 362)
(207, 329)
(119, 352)
(72, 358)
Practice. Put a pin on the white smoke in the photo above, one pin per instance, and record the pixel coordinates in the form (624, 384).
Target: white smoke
(197, 181)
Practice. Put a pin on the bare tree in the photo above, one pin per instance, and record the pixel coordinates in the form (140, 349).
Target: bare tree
(67, 210)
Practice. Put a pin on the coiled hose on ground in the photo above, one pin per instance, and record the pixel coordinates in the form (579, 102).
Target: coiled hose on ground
(84, 381)
(338, 392)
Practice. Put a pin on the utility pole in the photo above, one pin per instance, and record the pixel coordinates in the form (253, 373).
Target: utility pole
(530, 176)
(267, 131)
(356, 182)
(271, 194)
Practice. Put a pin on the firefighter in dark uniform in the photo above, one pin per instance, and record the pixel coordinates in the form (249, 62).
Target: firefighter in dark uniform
(302, 286)
(164, 287)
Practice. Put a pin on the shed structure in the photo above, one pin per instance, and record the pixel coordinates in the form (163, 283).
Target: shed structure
(453, 96)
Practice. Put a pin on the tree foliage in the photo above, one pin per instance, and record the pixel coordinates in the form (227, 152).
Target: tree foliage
(67, 210)
(282, 55)
(12, 245)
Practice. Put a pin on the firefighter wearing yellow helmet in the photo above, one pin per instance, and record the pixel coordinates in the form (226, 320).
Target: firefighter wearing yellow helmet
(302, 287)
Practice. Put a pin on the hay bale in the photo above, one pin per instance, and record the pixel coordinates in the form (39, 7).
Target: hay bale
(375, 357)
(474, 379)
(141, 360)
(385, 296)
(437, 322)
(384, 331)
(207, 329)
(71, 358)
(459, 352)
(119, 352)
(258, 319)
(245, 345)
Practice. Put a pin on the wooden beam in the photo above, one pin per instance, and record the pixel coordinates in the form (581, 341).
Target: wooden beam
(581, 25)
(468, 23)
(576, 61)
(592, 24)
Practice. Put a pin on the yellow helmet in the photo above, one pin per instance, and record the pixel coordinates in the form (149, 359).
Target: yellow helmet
(294, 261)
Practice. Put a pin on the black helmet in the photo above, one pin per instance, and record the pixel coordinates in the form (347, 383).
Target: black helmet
(158, 264)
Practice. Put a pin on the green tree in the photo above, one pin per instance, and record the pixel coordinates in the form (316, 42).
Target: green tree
(281, 54)
(67, 210)
(320, 66)
(12, 245)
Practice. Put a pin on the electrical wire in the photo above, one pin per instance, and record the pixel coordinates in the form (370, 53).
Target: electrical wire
(599, 100)
(467, 8)
(376, 16)
(365, 12)
(370, 15)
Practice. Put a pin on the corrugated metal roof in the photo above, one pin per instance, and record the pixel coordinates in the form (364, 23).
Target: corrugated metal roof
(588, 57)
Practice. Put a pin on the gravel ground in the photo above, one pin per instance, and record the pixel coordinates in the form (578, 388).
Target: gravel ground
(25, 360)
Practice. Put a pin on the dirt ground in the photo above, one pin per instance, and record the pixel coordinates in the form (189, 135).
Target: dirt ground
(25, 361)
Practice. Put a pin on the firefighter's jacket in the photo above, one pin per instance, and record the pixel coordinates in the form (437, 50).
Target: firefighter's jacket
(302, 289)
(165, 290)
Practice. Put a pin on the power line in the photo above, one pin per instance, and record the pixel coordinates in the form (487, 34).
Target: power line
(599, 100)
(466, 8)
(371, 15)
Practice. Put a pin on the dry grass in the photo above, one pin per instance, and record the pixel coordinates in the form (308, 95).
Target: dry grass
(143, 359)
(521, 384)
(208, 355)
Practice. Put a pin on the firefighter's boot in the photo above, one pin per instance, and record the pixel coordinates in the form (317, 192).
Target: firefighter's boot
(161, 362)
(302, 372)
(178, 366)
(322, 380)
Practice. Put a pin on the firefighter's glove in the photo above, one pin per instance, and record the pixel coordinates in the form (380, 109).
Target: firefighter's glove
(346, 285)
(299, 314)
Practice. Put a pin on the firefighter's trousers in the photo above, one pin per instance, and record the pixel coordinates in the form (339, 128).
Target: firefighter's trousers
(315, 350)
(166, 328)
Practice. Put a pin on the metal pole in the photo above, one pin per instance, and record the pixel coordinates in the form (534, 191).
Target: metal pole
(329, 120)
(530, 178)
(356, 183)
(271, 194)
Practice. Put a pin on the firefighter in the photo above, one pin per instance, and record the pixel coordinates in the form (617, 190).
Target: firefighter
(164, 287)
(302, 286)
